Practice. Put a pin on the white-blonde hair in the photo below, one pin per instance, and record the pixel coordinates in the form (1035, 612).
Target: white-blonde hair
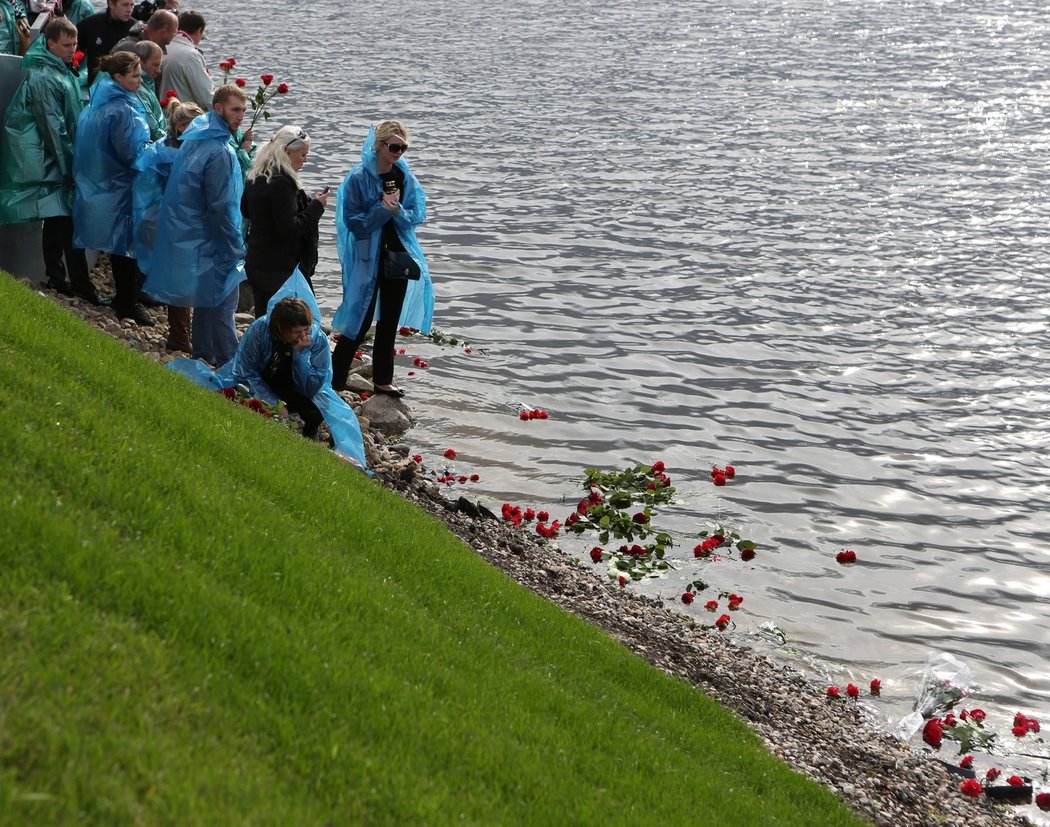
(272, 158)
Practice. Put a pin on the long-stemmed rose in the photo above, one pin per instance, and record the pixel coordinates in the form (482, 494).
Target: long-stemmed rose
(263, 95)
(227, 67)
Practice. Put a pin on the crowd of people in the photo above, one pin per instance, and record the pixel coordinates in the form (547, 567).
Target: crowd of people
(187, 206)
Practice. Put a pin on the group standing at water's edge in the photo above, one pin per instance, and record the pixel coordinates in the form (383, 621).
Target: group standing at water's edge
(169, 212)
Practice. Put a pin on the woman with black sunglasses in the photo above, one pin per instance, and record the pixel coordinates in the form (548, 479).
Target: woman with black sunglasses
(380, 204)
(282, 233)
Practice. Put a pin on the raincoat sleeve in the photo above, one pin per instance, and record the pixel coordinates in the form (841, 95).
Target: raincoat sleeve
(314, 366)
(130, 136)
(362, 214)
(49, 113)
(413, 210)
(220, 191)
(253, 352)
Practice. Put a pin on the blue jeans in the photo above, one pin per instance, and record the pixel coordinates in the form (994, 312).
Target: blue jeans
(214, 331)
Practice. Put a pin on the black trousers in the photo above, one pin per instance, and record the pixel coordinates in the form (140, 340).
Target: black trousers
(56, 245)
(296, 403)
(391, 296)
(126, 279)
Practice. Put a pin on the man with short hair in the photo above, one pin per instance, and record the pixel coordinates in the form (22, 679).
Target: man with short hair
(151, 58)
(198, 255)
(184, 69)
(102, 31)
(159, 29)
(36, 163)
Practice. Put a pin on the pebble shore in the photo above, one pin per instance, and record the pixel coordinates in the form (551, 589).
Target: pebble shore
(880, 778)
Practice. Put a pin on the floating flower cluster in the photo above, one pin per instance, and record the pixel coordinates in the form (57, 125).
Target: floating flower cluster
(532, 413)
(720, 475)
(846, 556)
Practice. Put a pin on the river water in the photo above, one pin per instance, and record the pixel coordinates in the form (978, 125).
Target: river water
(805, 237)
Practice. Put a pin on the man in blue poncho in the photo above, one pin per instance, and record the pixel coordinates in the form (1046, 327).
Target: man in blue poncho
(36, 156)
(285, 356)
(198, 257)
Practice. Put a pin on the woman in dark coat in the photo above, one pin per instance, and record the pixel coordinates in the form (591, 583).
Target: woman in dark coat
(282, 231)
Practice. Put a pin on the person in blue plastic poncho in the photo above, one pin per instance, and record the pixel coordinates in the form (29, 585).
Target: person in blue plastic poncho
(36, 156)
(147, 192)
(380, 204)
(198, 257)
(284, 356)
(111, 135)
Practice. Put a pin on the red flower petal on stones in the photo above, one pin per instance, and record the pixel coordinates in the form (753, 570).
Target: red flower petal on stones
(971, 787)
(450, 453)
(687, 597)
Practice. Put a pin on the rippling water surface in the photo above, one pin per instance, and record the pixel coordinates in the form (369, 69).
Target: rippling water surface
(808, 238)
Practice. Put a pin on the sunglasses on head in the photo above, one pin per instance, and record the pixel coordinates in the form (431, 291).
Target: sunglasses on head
(396, 148)
(300, 136)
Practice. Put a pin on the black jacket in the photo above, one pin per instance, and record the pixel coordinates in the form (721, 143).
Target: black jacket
(97, 34)
(283, 230)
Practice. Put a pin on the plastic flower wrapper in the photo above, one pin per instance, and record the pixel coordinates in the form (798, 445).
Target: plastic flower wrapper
(945, 681)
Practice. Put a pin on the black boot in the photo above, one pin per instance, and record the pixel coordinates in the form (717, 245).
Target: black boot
(342, 359)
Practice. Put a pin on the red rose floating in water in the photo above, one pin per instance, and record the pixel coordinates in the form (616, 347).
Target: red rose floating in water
(845, 557)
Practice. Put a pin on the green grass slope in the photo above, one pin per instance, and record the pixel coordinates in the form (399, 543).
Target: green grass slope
(205, 619)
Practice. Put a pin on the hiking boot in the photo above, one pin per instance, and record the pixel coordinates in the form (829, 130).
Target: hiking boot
(136, 312)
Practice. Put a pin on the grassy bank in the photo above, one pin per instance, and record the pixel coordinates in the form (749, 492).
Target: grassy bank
(205, 619)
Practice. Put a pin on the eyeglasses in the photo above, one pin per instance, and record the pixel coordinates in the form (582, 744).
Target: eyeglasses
(300, 136)
(397, 149)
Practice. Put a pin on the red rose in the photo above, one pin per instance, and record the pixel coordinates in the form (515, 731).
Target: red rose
(266, 79)
(468, 350)
(365, 394)
(77, 57)
(967, 762)
(845, 557)
(224, 65)
(658, 467)
(411, 373)
(978, 715)
(282, 88)
(596, 554)
(640, 517)
(543, 516)
(1015, 781)
(971, 787)
(1020, 731)
(523, 416)
(572, 519)
(530, 515)
(949, 721)
(716, 471)
(992, 774)
(475, 477)
(833, 692)
(231, 61)
(747, 554)
(402, 351)
(241, 82)
(730, 471)
(723, 621)
(711, 605)
(687, 597)
(417, 457)
(852, 691)
(720, 479)
(462, 478)
(876, 686)
(623, 581)
(932, 733)
(1042, 801)
(542, 415)
(450, 453)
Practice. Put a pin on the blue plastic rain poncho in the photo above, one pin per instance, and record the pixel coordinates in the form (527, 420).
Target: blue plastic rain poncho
(311, 371)
(198, 257)
(155, 120)
(360, 226)
(78, 10)
(9, 39)
(36, 146)
(147, 193)
(111, 135)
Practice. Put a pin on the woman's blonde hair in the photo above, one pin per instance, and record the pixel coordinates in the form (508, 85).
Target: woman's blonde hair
(179, 114)
(385, 130)
(272, 158)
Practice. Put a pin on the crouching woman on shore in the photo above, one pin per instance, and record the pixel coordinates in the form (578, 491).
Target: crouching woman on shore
(111, 135)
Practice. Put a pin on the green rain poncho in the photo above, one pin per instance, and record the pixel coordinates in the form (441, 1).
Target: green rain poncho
(36, 145)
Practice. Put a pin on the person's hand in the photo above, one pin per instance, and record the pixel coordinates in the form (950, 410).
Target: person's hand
(322, 196)
(392, 201)
(249, 139)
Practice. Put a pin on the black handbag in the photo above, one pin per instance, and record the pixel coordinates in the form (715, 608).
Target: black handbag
(400, 265)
